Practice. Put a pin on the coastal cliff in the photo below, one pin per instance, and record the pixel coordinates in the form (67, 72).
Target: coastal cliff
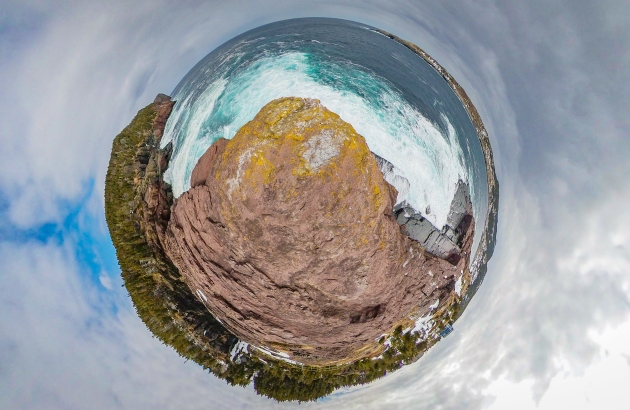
(139, 209)
(288, 235)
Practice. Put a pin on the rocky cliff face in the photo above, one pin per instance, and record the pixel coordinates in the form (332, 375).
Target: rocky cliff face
(153, 162)
(137, 205)
(288, 236)
(447, 242)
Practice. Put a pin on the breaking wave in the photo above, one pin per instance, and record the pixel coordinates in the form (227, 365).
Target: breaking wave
(431, 160)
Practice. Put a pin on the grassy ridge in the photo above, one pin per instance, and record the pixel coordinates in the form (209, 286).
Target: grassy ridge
(161, 298)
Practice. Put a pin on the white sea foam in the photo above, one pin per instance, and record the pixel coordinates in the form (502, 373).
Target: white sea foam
(397, 178)
(432, 161)
(192, 143)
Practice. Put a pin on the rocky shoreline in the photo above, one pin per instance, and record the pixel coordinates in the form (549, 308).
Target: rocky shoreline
(255, 297)
(180, 318)
(296, 326)
(488, 239)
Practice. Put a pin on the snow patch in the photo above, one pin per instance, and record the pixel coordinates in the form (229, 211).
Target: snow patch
(201, 295)
(277, 355)
(237, 349)
(458, 285)
(423, 325)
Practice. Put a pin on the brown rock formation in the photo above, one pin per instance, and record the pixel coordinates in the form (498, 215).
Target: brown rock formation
(157, 194)
(287, 236)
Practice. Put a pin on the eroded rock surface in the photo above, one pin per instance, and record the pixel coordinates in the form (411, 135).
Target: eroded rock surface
(287, 235)
(447, 242)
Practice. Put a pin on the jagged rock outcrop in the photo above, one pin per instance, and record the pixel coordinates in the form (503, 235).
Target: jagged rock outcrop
(460, 215)
(157, 196)
(432, 240)
(445, 243)
(288, 236)
(394, 177)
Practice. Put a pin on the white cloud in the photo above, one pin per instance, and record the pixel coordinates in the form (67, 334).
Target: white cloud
(603, 385)
(548, 327)
(60, 349)
(105, 280)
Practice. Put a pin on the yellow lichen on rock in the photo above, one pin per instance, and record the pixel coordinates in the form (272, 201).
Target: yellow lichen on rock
(310, 140)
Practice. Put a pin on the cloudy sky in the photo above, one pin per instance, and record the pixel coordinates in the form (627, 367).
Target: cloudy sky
(550, 326)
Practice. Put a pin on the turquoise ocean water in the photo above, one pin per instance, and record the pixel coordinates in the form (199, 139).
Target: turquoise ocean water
(406, 111)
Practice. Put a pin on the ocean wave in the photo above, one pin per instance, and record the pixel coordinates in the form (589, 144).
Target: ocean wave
(218, 101)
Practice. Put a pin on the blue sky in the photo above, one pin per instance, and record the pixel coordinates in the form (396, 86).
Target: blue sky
(549, 328)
